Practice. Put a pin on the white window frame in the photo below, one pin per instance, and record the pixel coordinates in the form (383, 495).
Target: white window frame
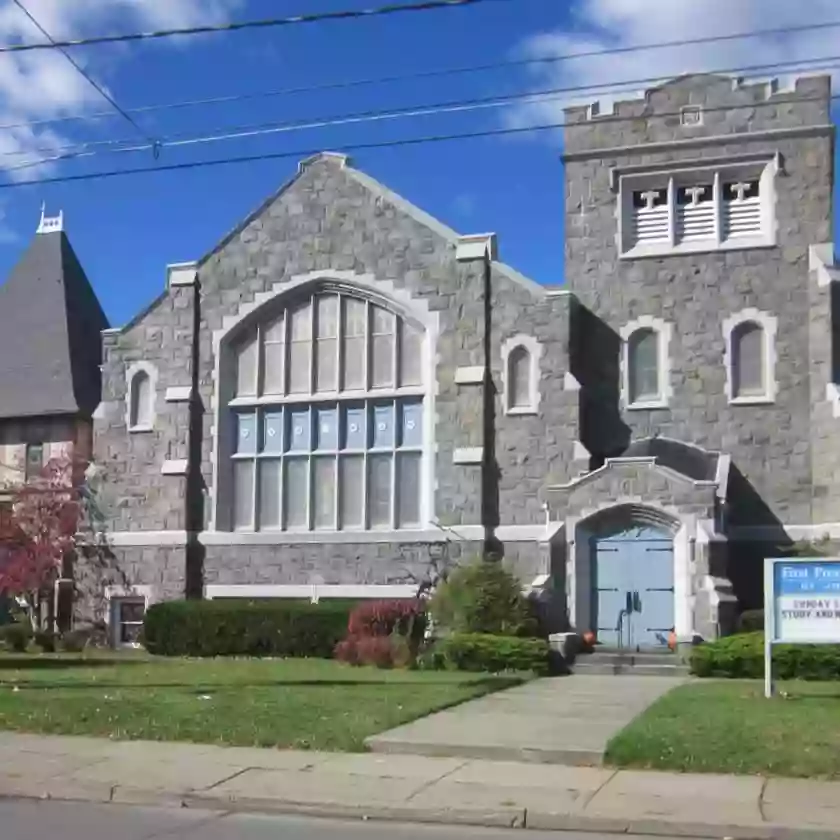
(664, 332)
(114, 596)
(364, 288)
(130, 377)
(668, 179)
(769, 327)
(534, 349)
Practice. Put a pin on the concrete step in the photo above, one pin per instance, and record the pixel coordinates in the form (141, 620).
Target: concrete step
(630, 658)
(594, 667)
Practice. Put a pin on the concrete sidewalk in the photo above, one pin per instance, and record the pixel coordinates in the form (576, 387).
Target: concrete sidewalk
(566, 720)
(417, 789)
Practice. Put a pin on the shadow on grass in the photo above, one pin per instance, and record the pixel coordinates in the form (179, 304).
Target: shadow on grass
(487, 684)
(49, 663)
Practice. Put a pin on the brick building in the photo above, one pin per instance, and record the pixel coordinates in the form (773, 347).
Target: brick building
(345, 389)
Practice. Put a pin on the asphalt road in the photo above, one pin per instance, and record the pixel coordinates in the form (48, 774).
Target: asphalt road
(27, 820)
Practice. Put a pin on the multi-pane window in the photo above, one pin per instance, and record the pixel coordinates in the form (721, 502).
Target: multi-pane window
(748, 363)
(328, 419)
(127, 621)
(696, 210)
(643, 366)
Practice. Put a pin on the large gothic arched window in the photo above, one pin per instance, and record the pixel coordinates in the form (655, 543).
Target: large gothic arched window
(328, 418)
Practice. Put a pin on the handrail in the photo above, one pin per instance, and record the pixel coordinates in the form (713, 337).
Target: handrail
(619, 627)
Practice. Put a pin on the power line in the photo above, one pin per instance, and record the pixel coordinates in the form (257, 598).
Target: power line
(112, 146)
(478, 68)
(238, 26)
(355, 147)
(102, 92)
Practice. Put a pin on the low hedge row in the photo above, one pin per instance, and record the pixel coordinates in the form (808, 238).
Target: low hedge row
(742, 657)
(245, 628)
(479, 652)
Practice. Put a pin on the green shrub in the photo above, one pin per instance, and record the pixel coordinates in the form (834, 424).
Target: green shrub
(74, 641)
(751, 621)
(483, 597)
(742, 657)
(45, 639)
(16, 636)
(491, 653)
(243, 628)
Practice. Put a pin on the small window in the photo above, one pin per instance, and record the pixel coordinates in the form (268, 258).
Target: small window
(748, 363)
(127, 621)
(34, 461)
(141, 410)
(643, 366)
(519, 381)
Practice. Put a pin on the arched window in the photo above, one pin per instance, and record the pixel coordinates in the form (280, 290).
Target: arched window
(520, 392)
(748, 362)
(141, 397)
(643, 366)
(328, 418)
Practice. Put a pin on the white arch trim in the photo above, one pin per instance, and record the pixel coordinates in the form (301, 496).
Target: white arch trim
(769, 326)
(534, 349)
(396, 298)
(664, 333)
(130, 375)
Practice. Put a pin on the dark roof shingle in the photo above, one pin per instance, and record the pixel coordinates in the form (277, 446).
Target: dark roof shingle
(50, 333)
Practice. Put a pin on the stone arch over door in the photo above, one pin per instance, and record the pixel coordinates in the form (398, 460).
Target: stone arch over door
(631, 557)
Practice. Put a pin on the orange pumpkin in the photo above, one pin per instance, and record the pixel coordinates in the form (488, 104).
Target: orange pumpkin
(672, 641)
(588, 638)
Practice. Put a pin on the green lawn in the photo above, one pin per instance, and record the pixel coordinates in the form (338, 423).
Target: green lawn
(728, 727)
(301, 704)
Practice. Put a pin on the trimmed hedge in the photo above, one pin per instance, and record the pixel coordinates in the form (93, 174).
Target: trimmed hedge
(751, 621)
(485, 652)
(244, 628)
(742, 657)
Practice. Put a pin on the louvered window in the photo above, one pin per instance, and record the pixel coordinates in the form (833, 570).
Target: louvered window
(696, 211)
(651, 222)
(741, 209)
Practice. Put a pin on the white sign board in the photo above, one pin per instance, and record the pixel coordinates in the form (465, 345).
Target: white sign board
(801, 605)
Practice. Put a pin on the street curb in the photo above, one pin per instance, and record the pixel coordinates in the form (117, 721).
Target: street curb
(480, 817)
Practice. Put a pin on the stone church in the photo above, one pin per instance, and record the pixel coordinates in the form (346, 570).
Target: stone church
(345, 393)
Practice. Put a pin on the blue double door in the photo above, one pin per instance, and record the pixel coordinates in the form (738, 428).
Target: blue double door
(633, 588)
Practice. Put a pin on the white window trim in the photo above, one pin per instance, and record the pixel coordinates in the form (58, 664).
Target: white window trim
(665, 178)
(117, 593)
(130, 375)
(769, 326)
(664, 332)
(534, 349)
(400, 301)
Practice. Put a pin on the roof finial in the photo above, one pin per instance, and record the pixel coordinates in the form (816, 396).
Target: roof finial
(50, 224)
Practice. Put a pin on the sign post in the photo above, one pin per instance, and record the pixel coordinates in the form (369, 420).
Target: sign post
(801, 605)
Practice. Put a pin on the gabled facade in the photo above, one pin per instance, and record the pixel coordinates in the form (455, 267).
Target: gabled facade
(345, 390)
(50, 356)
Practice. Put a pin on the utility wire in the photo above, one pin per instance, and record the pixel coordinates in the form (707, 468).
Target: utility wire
(238, 26)
(407, 141)
(102, 92)
(113, 146)
(429, 74)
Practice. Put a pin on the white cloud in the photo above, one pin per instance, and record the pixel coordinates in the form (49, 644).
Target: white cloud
(596, 25)
(42, 84)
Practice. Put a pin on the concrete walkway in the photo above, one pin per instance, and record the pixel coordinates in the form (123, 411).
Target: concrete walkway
(564, 720)
(417, 789)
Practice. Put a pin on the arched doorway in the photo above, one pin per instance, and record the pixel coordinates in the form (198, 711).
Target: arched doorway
(633, 585)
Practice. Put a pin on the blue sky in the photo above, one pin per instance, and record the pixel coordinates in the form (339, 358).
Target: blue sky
(125, 230)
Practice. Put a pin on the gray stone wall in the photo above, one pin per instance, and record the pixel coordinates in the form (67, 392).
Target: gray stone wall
(632, 482)
(769, 443)
(136, 496)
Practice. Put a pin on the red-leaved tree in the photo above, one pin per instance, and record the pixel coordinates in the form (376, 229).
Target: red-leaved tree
(39, 530)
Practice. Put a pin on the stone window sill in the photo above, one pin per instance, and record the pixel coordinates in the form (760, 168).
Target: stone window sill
(647, 405)
(140, 430)
(521, 410)
(708, 247)
(760, 399)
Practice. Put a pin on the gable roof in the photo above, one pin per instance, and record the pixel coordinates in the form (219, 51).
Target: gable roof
(50, 325)
(341, 163)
